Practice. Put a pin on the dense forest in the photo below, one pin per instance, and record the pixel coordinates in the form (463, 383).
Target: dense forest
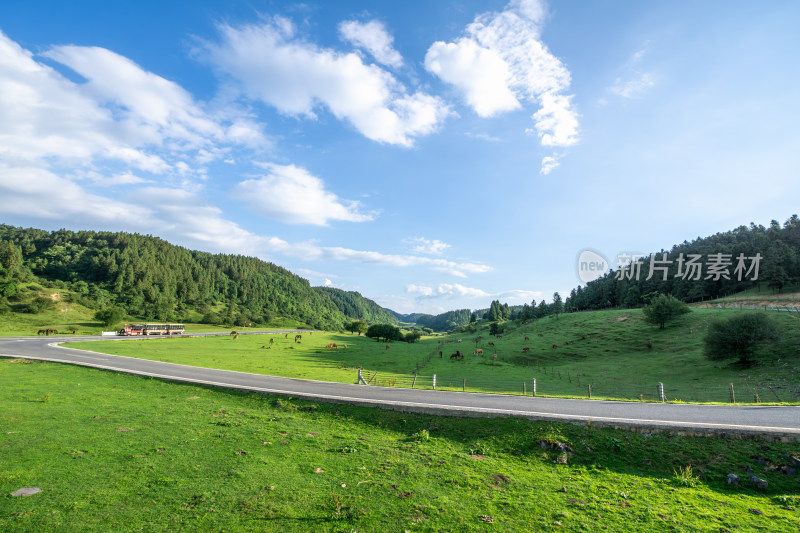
(706, 268)
(153, 279)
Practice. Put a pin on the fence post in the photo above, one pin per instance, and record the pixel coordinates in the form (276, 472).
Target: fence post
(756, 398)
(464, 385)
(660, 388)
(434, 382)
(733, 396)
(415, 380)
(524, 392)
(589, 390)
(533, 387)
(361, 378)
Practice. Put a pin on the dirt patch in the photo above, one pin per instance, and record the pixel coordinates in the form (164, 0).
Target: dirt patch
(623, 318)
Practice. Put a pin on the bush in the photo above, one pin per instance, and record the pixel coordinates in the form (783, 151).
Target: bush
(110, 316)
(39, 304)
(742, 336)
(663, 309)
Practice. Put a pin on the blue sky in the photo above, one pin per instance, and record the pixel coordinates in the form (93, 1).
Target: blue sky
(430, 155)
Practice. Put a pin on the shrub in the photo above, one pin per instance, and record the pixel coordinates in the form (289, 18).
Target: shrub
(663, 309)
(741, 336)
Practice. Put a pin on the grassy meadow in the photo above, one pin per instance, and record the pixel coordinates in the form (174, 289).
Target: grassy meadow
(615, 351)
(114, 452)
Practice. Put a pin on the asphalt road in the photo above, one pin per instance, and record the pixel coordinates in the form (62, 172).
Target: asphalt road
(772, 421)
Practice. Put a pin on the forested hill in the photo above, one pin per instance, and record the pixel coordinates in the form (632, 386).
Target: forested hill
(717, 271)
(353, 305)
(153, 279)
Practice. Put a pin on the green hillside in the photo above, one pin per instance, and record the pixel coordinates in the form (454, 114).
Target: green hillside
(152, 279)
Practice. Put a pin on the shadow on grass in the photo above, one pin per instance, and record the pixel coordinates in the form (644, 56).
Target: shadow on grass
(658, 456)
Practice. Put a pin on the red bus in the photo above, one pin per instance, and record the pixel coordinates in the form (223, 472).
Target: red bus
(152, 329)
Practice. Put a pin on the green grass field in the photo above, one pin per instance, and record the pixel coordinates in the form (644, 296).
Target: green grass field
(615, 351)
(114, 452)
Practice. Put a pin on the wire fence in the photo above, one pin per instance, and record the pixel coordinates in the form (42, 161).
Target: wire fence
(552, 385)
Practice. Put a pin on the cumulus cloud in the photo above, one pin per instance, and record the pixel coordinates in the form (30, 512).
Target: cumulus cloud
(501, 62)
(293, 195)
(372, 37)
(421, 245)
(447, 290)
(120, 114)
(480, 73)
(268, 62)
(153, 108)
(549, 163)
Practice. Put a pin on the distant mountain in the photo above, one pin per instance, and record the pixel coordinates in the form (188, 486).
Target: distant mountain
(442, 322)
(355, 306)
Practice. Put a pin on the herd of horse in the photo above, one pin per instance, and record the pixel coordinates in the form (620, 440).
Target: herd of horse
(52, 332)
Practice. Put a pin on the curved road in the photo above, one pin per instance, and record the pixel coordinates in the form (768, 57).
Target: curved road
(780, 422)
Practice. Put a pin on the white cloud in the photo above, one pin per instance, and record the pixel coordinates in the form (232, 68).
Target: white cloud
(633, 87)
(372, 37)
(484, 137)
(480, 73)
(449, 291)
(120, 114)
(633, 82)
(421, 245)
(549, 163)
(37, 193)
(419, 289)
(501, 62)
(446, 290)
(292, 195)
(152, 107)
(270, 63)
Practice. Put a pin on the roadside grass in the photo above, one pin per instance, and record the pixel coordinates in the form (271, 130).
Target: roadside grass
(615, 351)
(114, 452)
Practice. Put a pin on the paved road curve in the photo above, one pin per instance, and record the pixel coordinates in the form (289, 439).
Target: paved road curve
(777, 422)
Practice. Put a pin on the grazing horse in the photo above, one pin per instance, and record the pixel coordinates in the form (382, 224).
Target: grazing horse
(491, 344)
(298, 338)
(271, 340)
(332, 345)
(555, 346)
(41, 331)
(566, 343)
(526, 338)
(235, 334)
(457, 355)
(479, 351)
(387, 346)
(526, 349)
